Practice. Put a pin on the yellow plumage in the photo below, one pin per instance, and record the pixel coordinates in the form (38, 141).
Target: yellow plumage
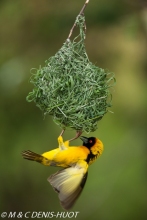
(69, 182)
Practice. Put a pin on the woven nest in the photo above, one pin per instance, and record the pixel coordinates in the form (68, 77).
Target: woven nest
(71, 88)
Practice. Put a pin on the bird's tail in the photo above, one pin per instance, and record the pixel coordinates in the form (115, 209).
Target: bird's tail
(30, 155)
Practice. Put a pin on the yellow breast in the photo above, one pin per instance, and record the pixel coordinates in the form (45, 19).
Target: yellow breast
(68, 157)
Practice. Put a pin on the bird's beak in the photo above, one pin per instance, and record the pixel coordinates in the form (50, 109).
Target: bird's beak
(84, 139)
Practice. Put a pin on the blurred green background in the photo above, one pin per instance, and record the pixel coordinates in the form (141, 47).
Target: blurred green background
(30, 32)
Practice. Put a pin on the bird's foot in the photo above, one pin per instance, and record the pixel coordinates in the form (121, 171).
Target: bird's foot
(78, 134)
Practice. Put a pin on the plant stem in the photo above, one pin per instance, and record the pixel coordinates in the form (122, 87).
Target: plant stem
(81, 12)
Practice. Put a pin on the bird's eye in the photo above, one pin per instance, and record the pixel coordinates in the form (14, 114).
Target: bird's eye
(90, 141)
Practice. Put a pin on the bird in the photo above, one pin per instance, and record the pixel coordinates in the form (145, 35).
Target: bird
(75, 160)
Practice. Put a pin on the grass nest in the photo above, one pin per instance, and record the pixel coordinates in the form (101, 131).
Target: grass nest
(70, 88)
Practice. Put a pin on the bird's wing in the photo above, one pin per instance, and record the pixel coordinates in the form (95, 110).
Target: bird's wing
(68, 183)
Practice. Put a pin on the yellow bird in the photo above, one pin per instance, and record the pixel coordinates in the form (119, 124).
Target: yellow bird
(69, 182)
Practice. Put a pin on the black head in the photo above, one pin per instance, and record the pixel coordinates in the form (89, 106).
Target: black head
(88, 142)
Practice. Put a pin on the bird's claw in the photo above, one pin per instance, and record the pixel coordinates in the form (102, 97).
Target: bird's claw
(62, 132)
(78, 134)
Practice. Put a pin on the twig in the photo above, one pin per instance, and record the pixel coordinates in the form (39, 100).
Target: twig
(81, 12)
